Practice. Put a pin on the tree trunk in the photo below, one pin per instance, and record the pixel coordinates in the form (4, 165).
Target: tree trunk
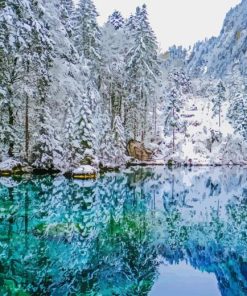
(111, 105)
(11, 124)
(173, 139)
(145, 116)
(173, 185)
(219, 117)
(10, 109)
(173, 133)
(155, 121)
(135, 131)
(27, 129)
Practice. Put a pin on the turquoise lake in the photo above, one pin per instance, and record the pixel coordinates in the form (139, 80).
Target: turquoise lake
(144, 231)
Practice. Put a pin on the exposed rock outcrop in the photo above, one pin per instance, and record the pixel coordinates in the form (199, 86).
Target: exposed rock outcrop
(138, 151)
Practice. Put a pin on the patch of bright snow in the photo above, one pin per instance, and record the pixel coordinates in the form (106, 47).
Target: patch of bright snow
(9, 165)
(85, 170)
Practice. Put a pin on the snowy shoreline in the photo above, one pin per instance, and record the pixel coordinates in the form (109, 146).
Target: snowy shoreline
(12, 167)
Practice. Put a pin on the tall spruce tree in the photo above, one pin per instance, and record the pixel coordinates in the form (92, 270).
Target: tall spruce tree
(69, 5)
(113, 74)
(218, 101)
(85, 129)
(25, 62)
(71, 79)
(66, 12)
(70, 145)
(172, 113)
(46, 143)
(86, 31)
(13, 46)
(238, 112)
(120, 141)
(116, 20)
(131, 24)
(142, 69)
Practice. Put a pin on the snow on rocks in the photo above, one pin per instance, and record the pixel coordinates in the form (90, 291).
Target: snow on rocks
(9, 167)
(9, 164)
(85, 172)
(154, 162)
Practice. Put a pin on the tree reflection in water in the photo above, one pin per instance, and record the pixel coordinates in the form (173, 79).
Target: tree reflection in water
(109, 237)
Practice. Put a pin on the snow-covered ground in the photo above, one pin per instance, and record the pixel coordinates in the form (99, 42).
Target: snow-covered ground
(85, 170)
(9, 165)
(202, 141)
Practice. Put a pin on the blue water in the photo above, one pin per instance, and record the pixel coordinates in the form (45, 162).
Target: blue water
(144, 231)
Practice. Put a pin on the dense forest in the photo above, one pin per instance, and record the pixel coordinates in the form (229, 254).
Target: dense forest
(72, 92)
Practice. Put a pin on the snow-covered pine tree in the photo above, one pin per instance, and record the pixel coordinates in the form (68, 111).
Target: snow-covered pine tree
(129, 28)
(13, 44)
(120, 141)
(172, 116)
(175, 58)
(71, 78)
(86, 32)
(2, 92)
(218, 100)
(113, 93)
(237, 113)
(70, 145)
(79, 134)
(235, 81)
(69, 5)
(47, 151)
(38, 60)
(112, 144)
(25, 64)
(66, 12)
(106, 143)
(113, 74)
(47, 147)
(131, 24)
(85, 130)
(116, 20)
(181, 81)
(142, 70)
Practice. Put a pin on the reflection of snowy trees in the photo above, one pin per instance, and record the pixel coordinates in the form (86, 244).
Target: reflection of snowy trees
(61, 236)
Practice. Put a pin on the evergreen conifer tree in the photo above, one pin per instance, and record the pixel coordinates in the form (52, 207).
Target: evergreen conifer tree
(238, 112)
(116, 20)
(218, 100)
(142, 69)
(87, 32)
(67, 10)
(172, 116)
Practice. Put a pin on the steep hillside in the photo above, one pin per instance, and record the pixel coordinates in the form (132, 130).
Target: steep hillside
(200, 141)
(218, 57)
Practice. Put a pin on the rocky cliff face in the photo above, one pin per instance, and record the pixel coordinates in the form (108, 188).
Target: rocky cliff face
(221, 56)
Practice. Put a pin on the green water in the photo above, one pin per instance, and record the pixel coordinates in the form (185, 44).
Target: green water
(148, 231)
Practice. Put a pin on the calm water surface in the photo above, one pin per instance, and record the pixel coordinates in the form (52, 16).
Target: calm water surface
(146, 231)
